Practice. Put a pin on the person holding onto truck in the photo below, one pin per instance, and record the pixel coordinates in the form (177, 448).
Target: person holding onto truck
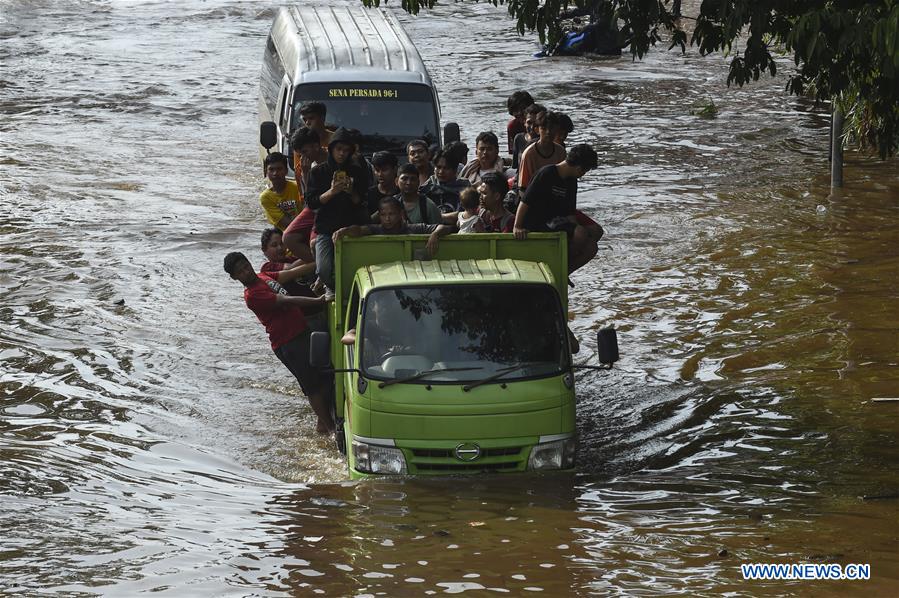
(444, 186)
(543, 152)
(337, 191)
(278, 261)
(419, 209)
(281, 201)
(550, 204)
(492, 190)
(517, 103)
(393, 222)
(313, 115)
(419, 155)
(385, 165)
(487, 158)
(283, 319)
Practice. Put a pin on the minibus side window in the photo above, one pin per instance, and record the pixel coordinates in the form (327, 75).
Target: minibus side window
(282, 117)
(272, 75)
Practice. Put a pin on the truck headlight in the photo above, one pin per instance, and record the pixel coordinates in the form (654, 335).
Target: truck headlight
(373, 458)
(556, 454)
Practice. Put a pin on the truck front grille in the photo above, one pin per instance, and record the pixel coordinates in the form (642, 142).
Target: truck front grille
(444, 461)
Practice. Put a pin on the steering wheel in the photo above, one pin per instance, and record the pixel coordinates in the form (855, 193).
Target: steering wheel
(396, 350)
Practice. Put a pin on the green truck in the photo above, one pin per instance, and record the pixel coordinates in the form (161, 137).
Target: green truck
(453, 365)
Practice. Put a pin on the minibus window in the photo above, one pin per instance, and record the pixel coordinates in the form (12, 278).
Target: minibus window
(388, 115)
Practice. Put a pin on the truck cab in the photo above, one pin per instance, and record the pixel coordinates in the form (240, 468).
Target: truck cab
(455, 365)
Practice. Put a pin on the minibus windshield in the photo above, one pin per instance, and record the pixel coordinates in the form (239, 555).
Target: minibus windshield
(463, 333)
(388, 115)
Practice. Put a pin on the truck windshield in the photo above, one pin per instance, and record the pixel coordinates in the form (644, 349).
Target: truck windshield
(470, 331)
(388, 115)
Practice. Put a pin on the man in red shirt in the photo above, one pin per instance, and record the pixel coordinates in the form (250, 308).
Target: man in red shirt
(283, 318)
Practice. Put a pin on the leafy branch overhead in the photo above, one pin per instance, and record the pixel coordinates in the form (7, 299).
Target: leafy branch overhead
(846, 50)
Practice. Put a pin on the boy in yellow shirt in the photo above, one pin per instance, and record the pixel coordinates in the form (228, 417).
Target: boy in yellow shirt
(281, 202)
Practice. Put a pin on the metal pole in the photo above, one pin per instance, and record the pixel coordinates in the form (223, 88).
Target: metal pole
(836, 149)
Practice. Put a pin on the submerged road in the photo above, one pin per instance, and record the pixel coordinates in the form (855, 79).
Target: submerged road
(151, 442)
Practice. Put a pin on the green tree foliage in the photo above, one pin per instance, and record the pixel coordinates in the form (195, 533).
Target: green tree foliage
(844, 50)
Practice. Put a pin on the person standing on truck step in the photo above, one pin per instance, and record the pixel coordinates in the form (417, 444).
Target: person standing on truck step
(517, 103)
(497, 219)
(385, 166)
(487, 158)
(550, 204)
(419, 209)
(393, 222)
(281, 202)
(337, 191)
(419, 155)
(283, 318)
(313, 115)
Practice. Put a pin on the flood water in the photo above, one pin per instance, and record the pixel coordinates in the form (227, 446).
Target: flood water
(150, 441)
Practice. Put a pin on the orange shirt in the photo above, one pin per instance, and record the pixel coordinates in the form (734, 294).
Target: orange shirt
(532, 161)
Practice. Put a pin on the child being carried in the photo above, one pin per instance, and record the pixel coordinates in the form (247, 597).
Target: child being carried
(468, 220)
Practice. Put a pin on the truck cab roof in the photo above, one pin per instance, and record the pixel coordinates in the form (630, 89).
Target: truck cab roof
(459, 271)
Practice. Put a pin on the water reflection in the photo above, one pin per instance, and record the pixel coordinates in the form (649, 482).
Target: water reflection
(425, 536)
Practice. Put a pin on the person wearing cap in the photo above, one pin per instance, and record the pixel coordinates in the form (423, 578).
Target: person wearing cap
(337, 190)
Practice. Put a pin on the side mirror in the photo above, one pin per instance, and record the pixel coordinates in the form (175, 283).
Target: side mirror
(268, 135)
(320, 350)
(451, 133)
(607, 346)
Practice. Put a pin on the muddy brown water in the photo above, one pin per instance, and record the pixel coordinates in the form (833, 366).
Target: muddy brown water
(152, 442)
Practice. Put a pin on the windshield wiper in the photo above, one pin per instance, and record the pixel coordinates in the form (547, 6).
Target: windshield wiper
(499, 374)
(426, 373)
